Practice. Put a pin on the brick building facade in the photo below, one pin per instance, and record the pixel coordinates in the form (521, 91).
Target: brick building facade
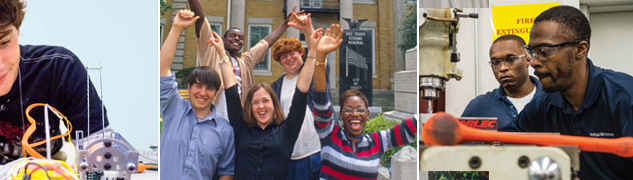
(257, 18)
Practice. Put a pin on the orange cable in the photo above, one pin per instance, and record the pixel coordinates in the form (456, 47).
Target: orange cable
(29, 131)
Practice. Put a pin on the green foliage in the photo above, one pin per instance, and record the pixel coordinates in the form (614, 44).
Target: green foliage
(379, 123)
(410, 29)
(183, 74)
(164, 7)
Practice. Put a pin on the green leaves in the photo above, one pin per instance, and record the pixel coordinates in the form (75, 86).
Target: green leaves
(164, 7)
(410, 29)
(379, 123)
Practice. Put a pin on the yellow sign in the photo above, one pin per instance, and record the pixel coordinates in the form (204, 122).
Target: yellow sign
(516, 19)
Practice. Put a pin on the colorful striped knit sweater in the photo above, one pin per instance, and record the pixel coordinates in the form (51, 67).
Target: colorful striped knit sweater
(338, 160)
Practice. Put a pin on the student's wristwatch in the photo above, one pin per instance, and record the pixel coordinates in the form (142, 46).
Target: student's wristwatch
(223, 60)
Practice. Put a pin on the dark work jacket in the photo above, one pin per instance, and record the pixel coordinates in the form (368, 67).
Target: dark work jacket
(496, 104)
(53, 75)
(264, 153)
(606, 112)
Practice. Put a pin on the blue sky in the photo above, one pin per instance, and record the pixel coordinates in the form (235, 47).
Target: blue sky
(123, 35)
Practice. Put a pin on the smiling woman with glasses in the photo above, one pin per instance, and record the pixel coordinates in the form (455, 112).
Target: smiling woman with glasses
(347, 152)
(545, 51)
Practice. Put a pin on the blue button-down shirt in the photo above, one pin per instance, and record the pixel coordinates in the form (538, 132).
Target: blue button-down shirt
(192, 149)
(606, 112)
(496, 104)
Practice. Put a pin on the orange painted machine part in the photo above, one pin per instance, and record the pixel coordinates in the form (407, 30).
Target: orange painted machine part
(445, 129)
(29, 131)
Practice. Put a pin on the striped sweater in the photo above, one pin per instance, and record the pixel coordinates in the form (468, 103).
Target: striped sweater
(338, 160)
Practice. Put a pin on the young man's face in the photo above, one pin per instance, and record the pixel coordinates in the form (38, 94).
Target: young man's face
(234, 40)
(554, 68)
(513, 71)
(201, 96)
(291, 62)
(9, 58)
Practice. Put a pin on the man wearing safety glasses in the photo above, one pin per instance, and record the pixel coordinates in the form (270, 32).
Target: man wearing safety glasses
(581, 99)
(509, 63)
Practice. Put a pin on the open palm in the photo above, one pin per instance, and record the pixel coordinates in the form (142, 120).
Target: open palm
(331, 39)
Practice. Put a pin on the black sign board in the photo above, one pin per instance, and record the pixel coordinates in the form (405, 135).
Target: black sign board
(355, 62)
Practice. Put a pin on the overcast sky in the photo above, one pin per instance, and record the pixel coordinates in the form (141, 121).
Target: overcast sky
(123, 35)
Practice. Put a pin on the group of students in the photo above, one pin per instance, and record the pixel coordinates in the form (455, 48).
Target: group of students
(233, 128)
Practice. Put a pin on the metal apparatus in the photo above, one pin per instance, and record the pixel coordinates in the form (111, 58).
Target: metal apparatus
(107, 153)
(438, 49)
(559, 160)
(504, 162)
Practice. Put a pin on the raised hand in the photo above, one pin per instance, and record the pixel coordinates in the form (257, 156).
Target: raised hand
(331, 40)
(184, 18)
(313, 42)
(216, 41)
(299, 20)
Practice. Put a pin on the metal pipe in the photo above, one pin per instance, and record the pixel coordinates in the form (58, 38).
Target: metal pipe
(476, 57)
(228, 15)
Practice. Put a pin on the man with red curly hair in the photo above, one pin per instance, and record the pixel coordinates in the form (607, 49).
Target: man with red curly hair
(305, 162)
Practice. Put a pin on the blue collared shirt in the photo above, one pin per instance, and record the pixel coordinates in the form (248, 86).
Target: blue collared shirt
(192, 149)
(496, 104)
(606, 112)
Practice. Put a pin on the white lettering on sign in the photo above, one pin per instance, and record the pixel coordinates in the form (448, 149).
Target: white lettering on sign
(602, 134)
(359, 33)
(355, 38)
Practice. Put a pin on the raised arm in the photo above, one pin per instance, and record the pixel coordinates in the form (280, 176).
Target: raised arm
(301, 22)
(183, 19)
(330, 42)
(274, 36)
(196, 7)
(307, 72)
(226, 68)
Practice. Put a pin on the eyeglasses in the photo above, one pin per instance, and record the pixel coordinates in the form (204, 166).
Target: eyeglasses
(508, 61)
(546, 51)
(352, 111)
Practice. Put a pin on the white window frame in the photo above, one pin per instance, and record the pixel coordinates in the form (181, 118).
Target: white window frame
(162, 30)
(316, 4)
(266, 72)
(216, 24)
(364, 1)
(373, 49)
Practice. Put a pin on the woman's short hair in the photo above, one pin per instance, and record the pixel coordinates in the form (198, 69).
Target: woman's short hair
(278, 114)
(286, 45)
(350, 93)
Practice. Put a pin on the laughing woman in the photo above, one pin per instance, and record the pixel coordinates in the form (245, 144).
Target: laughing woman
(346, 152)
(264, 140)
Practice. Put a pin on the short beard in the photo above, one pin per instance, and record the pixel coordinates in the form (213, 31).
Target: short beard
(564, 75)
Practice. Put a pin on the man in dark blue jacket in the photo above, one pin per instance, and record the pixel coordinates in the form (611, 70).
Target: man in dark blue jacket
(581, 99)
(509, 63)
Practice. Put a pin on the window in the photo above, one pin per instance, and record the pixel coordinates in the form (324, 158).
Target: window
(311, 3)
(162, 29)
(216, 27)
(255, 34)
